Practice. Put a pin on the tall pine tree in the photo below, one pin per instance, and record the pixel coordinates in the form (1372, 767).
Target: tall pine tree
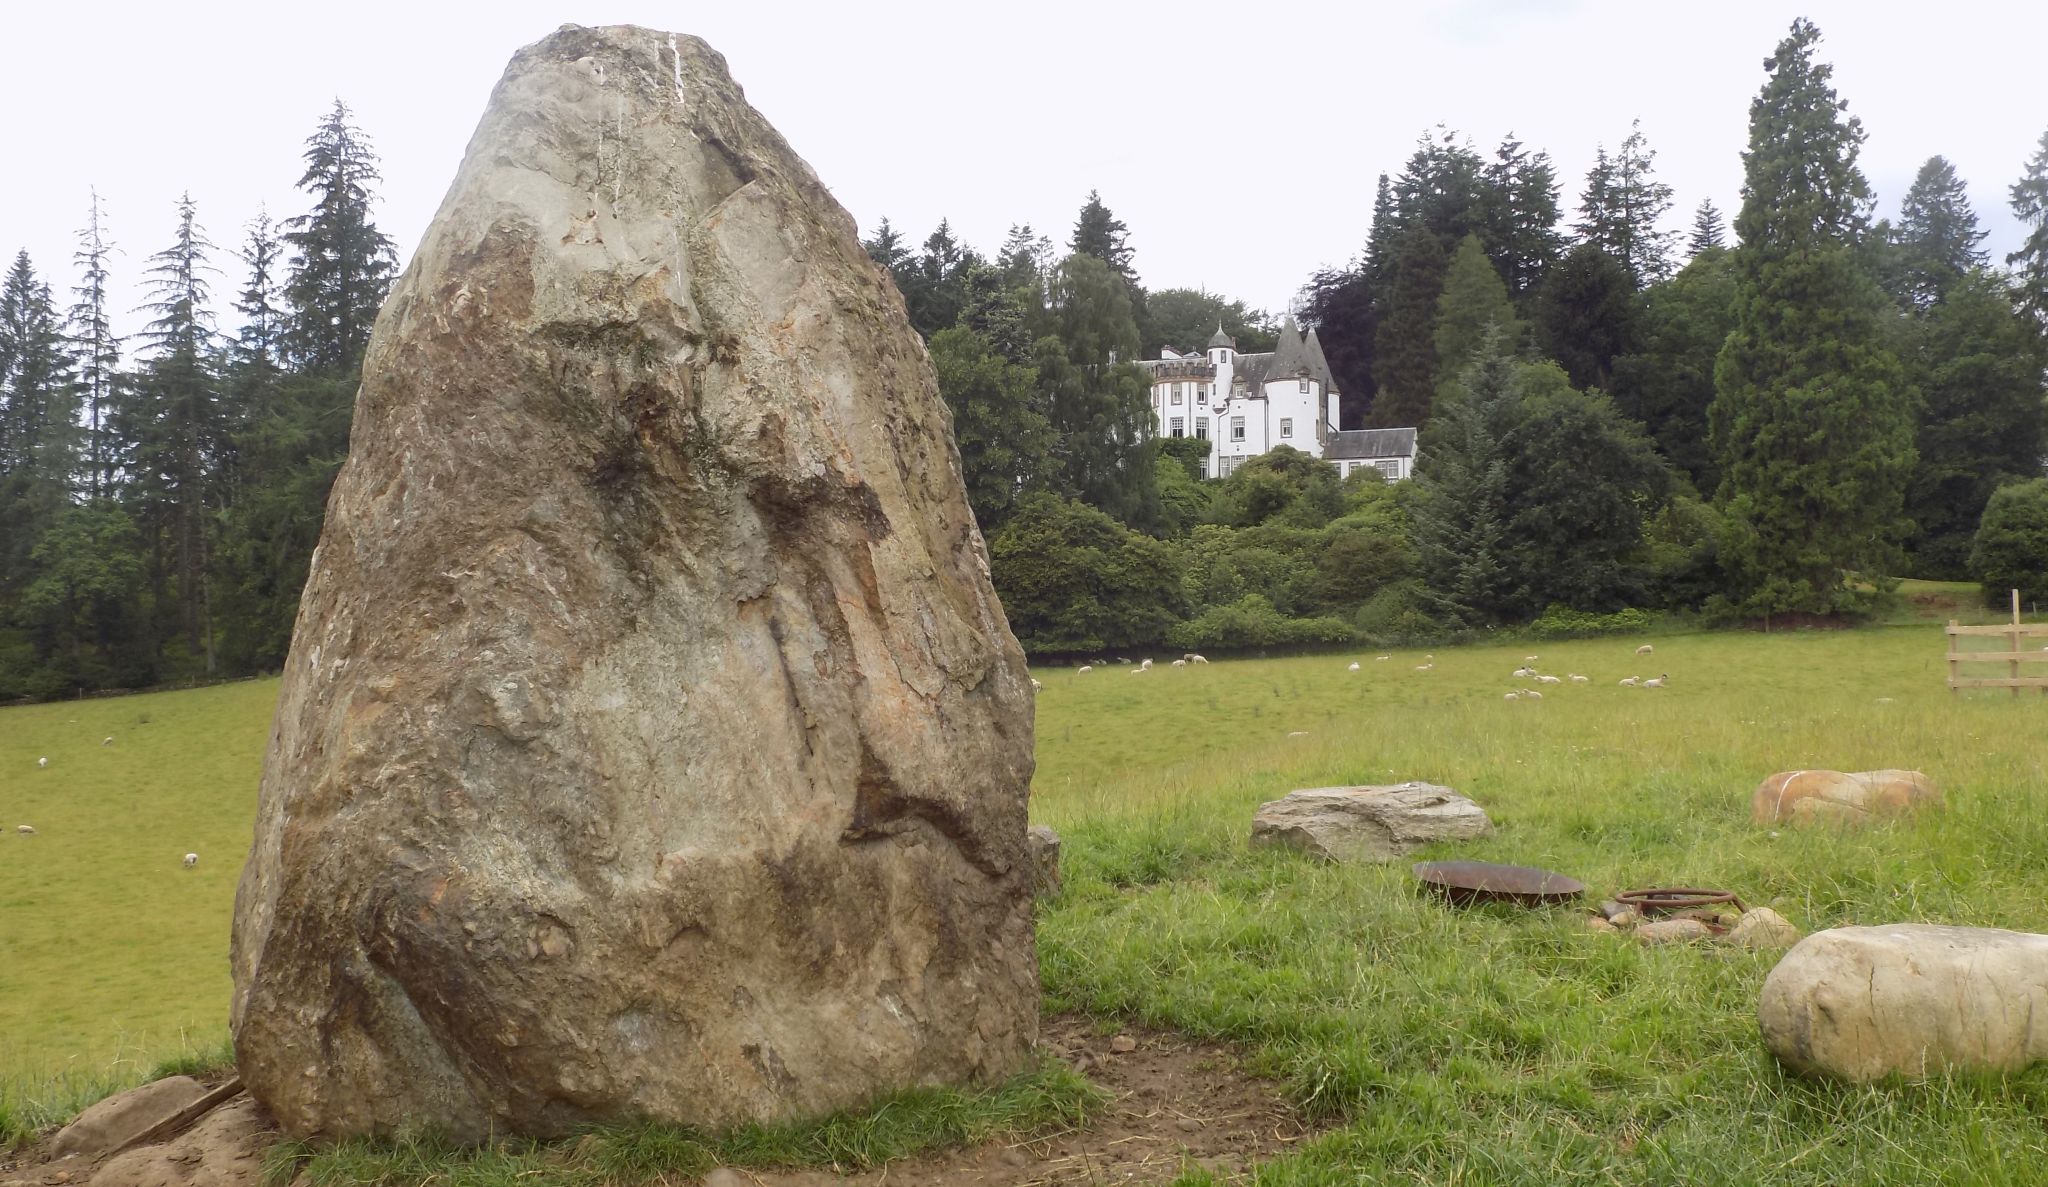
(341, 265)
(1937, 241)
(2030, 206)
(1623, 206)
(39, 445)
(97, 350)
(1521, 216)
(1812, 422)
(1096, 397)
(1473, 309)
(1404, 353)
(1709, 230)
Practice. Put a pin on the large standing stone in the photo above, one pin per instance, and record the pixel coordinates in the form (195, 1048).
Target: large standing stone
(1840, 797)
(1368, 823)
(652, 743)
(1862, 1003)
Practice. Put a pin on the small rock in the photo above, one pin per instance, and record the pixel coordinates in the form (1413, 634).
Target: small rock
(1673, 931)
(1596, 923)
(1377, 823)
(123, 1115)
(1610, 908)
(1123, 1045)
(1625, 918)
(1043, 845)
(1188, 1125)
(1762, 928)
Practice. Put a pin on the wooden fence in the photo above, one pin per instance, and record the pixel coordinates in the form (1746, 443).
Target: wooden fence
(2018, 652)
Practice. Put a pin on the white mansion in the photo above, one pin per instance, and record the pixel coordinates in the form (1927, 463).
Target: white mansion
(1245, 404)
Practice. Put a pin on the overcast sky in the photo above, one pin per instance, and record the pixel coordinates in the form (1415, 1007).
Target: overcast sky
(1239, 142)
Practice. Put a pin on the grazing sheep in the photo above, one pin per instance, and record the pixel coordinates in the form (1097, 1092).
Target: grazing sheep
(1530, 659)
(1084, 668)
(1353, 667)
(1146, 666)
(1514, 696)
(1297, 733)
(1884, 700)
(1377, 658)
(26, 830)
(1198, 659)
(43, 762)
(1575, 678)
(1140, 671)
(1421, 667)
(107, 741)
(1629, 682)
(1645, 649)
(1656, 681)
(191, 859)
(1036, 686)
(1180, 663)
(1550, 680)
(1524, 673)
(1120, 659)
(1530, 694)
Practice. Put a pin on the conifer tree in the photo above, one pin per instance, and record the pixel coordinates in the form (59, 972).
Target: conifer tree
(1101, 234)
(1003, 436)
(1404, 353)
(1709, 231)
(1462, 507)
(1937, 240)
(97, 351)
(1380, 237)
(1521, 216)
(172, 419)
(1095, 396)
(39, 446)
(2030, 206)
(1622, 207)
(886, 248)
(1337, 303)
(1473, 309)
(1666, 382)
(341, 265)
(1442, 188)
(1812, 421)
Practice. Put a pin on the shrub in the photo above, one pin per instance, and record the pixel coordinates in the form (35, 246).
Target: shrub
(1563, 622)
(1251, 621)
(2011, 550)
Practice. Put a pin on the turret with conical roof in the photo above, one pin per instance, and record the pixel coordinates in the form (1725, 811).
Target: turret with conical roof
(1290, 358)
(1219, 338)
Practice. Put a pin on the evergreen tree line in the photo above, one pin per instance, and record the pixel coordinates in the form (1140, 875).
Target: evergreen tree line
(161, 495)
(1766, 421)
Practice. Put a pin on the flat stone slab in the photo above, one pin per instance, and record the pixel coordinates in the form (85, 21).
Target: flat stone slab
(1864, 1003)
(1368, 823)
(125, 1114)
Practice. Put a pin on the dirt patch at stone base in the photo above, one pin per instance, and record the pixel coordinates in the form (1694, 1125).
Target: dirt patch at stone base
(1176, 1103)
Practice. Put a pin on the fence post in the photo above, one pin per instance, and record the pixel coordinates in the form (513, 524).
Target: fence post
(2014, 639)
(1955, 666)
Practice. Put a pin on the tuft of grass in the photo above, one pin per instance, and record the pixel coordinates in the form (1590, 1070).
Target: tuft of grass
(1049, 1098)
(32, 1104)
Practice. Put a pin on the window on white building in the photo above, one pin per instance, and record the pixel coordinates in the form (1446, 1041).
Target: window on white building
(1176, 393)
(1304, 383)
(1202, 396)
(1237, 428)
(1287, 426)
(1202, 428)
(1390, 468)
(1180, 427)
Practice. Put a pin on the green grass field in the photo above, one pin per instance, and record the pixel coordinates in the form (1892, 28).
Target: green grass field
(1439, 1046)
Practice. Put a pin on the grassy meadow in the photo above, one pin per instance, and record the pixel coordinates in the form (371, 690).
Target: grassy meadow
(1438, 1046)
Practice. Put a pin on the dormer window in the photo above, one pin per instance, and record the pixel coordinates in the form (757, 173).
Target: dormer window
(1304, 383)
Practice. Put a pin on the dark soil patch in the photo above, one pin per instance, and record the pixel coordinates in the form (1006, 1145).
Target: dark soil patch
(1176, 1103)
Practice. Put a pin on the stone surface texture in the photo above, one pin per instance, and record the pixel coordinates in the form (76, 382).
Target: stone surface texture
(1863, 1003)
(224, 1149)
(1368, 823)
(1672, 931)
(652, 743)
(123, 1115)
(1840, 797)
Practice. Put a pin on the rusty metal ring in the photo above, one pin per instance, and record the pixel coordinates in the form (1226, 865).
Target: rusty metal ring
(1662, 900)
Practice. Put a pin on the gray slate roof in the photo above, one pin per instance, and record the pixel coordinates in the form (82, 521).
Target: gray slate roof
(1219, 338)
(1348, 444)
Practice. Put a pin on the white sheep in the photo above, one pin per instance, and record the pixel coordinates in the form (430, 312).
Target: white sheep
(1549, 680)
(1530, 659)
(1084, 668)
(191, 859)
(1198, 659)
(1656, 681)
(1139, 671)
(1377, 658)
(1180, 663)
(1297, 733)
(1629, 681)
(1530, 694)
(1353, 667)
(26, 830)
(1036, 686)
(1645, 649)
(1514, 696)
(1421, 667)
(43, 761)
(1146, 666)
(1575, 678)
(1120, 659)
(1524, 673)
(107, 741)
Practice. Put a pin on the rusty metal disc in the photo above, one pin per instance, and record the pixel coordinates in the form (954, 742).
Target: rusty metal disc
(1483, 881)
